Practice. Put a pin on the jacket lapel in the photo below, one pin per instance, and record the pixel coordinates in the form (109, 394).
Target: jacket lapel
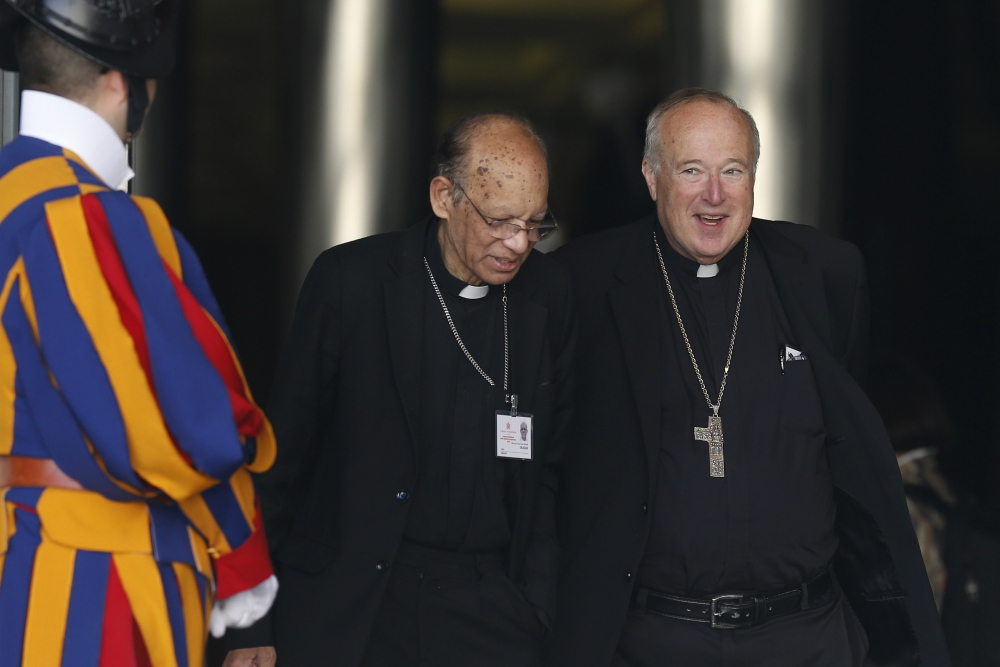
(404, 316)
(799, 283)
(845, 406)
(634, 304)
(874, 560)
(527, 321)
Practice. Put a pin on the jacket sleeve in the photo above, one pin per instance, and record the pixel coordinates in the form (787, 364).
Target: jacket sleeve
(9, 290)
(228, 514)
(130, 382)
(542, 555)
(303, 384)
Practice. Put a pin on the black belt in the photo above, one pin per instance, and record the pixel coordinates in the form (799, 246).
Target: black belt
(732, 611)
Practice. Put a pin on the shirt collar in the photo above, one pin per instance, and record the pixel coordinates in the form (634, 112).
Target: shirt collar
(689, 267)
(71, 125)
(447, 281)
(474, 291)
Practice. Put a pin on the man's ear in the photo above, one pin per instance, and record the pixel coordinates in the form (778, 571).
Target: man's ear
(442, 194)
(109, 99)
(114, 84)
(649, 173)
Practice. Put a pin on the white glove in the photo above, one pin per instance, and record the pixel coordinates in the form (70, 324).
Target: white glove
(243, 609)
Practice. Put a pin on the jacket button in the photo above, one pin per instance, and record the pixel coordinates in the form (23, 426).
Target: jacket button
(628, 575)
(645, 508)
(381, 566)
(402, 496)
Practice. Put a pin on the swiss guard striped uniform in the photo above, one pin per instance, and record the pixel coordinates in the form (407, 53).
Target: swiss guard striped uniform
(127, 430)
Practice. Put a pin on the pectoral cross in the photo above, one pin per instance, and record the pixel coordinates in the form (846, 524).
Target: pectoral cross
(713, 436)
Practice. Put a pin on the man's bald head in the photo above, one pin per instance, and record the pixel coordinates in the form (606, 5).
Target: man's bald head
(489, 169)
(490, 134)
(655, 121)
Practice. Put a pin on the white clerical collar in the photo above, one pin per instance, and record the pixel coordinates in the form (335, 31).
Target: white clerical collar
(70, 125)
(708, 270)
(474, 291)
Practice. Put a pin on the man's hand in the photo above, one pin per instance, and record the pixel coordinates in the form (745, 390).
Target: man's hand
(262, 656)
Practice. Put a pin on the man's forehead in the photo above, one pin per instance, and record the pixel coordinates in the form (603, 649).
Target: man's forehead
(505, 144)
(702, 120)
(698, 113)
(503, 166)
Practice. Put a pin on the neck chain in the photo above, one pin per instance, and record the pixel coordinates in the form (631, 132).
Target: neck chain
(713, 433)
(506, 346)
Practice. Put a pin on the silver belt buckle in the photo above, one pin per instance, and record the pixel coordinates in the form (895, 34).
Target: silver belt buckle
(715, 610)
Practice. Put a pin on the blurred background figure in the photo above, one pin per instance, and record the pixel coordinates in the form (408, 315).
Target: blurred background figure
(291, 125)
(959, 534)
(921, 432)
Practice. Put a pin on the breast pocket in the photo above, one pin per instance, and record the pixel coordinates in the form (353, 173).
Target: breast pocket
(801, 410)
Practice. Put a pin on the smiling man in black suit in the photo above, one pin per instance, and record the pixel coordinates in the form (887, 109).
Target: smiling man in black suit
(731, 496)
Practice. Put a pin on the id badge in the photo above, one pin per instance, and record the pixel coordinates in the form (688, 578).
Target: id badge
(514, 433)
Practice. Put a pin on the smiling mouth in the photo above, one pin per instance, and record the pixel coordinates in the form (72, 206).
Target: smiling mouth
(710, 220)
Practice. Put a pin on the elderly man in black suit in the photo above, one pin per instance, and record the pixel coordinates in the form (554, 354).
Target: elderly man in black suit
(410, 526)
(731, 496)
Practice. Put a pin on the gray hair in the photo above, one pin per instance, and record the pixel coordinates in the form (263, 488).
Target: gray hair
(451, 157)
(686, 96)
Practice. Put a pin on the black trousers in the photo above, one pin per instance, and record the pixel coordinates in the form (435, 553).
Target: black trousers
(446, 609)
(828, 634)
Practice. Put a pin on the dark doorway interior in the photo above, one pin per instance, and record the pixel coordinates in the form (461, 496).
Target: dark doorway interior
(921, 140)
(586, 73)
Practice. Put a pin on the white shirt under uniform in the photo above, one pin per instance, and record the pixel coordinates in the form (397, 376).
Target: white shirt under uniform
(71, 125)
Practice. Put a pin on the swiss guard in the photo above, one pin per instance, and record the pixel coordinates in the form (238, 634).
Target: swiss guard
(129, 524)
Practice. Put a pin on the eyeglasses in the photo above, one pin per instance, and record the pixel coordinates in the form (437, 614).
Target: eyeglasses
(508, 229)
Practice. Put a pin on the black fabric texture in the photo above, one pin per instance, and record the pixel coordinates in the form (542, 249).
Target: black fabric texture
(869, 577)
(439, 611)
(458, 499)
(768, 524)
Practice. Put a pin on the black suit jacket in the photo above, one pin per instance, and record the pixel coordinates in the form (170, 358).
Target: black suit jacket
(345, 412)
(610, 473)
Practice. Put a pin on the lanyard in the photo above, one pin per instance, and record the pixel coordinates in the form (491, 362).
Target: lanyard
(508, 398)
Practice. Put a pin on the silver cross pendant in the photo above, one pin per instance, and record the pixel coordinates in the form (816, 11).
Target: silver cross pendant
(712, 434)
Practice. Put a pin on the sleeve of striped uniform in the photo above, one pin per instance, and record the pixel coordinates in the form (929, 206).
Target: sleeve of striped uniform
(150, 371)
(8, 364)
(228, 514)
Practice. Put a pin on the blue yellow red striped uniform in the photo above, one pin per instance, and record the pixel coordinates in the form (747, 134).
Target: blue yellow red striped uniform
(116, 364)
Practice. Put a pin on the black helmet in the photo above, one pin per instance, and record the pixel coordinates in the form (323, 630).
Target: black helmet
(132, 36)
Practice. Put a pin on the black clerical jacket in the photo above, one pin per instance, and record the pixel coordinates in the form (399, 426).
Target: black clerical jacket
(345, 409)
(610, 471)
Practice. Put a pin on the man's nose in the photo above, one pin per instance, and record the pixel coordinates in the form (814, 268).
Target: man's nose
(518, 242)
(713, 193)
